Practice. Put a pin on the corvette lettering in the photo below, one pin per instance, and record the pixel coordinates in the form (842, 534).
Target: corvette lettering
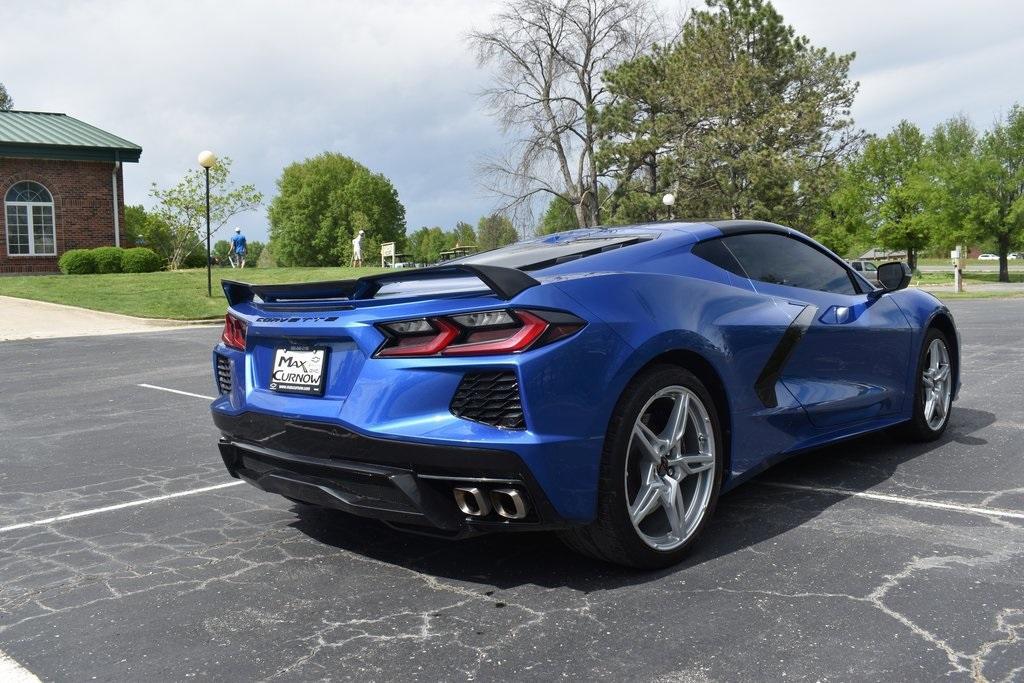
(310, 319)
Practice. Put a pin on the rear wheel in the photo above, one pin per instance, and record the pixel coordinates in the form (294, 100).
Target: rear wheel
(661, 472)
(933, 394)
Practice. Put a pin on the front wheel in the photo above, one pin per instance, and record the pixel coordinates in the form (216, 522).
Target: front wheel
(661, 472)
(933, 394)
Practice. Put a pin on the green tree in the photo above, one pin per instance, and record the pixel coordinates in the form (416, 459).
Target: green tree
(221, 251)
(255, 251)
(426, 244)
(885, 192)
(495, 231)
(464, 234)
(6, 103)
(558, 217)
(842, 225)
(997, 204)
(322, 202)
(266, 258)
(183, 208)
(148, 229)
(948, 182)
(740, 118)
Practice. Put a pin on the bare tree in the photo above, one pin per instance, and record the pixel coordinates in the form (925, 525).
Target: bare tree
(548, 57)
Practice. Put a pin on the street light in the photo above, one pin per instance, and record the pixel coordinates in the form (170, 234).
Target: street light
(206, 160)
(669, 201)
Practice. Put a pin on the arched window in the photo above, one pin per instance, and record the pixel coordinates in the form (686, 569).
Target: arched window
(30, 229)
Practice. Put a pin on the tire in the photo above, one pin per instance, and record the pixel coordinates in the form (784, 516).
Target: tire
(630, 466)
(923, 425)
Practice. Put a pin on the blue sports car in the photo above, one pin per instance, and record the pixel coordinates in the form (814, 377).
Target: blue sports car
(606, 383)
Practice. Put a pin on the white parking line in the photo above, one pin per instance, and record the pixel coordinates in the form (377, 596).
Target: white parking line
(12, 672)
(118, 506)
(914, 502)
(177, 391)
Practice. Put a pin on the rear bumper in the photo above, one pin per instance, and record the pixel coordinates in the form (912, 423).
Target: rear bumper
(399, 482)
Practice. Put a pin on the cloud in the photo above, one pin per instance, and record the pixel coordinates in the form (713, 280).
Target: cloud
(392, 83)
(389, 83)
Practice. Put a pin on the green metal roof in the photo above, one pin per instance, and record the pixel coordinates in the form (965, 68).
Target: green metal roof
(46, 135)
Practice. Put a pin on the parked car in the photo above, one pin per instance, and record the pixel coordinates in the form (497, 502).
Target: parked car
(608, 384)
(988, 257)
(1013, 256)
(866, 268)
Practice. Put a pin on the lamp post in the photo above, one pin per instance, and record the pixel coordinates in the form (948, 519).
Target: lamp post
(206, 160)
(669, 201)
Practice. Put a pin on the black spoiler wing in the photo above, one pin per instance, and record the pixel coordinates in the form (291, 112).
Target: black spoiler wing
(504, 282)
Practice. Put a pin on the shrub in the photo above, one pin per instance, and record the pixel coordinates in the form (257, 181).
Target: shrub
(196, 258)
(77, 262)
(266, 258)
(108, 259)
(140, 260)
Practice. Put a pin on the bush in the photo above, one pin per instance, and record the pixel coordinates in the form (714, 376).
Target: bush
(77, 262)
(266, 259)
(108, 259)
(195, 259)
(140, 260)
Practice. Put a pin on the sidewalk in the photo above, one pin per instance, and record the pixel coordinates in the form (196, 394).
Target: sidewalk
(26, 319)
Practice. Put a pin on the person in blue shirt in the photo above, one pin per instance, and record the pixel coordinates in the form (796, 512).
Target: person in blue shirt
(238, 249)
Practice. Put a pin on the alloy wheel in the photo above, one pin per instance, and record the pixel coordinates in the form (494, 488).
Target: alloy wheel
(670, 468)
(936, 384)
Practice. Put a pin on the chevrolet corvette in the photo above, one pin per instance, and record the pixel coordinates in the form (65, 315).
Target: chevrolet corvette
(608, 384)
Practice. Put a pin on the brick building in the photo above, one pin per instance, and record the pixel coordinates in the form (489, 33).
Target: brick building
(61, 186)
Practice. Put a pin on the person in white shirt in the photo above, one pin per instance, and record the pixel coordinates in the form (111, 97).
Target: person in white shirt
(357, 250)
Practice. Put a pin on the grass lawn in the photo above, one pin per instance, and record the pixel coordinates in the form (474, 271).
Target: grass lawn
(968, 263)
(179, 295)
(947, 278)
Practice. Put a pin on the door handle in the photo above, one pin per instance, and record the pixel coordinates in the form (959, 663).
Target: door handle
(839, 315)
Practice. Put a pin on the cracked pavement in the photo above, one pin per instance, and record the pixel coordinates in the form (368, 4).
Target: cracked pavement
(238, 584)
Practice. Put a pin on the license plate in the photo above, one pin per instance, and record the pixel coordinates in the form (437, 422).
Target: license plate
(299, 370)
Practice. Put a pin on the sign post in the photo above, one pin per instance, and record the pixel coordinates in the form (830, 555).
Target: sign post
(387, 250)
(957, 256)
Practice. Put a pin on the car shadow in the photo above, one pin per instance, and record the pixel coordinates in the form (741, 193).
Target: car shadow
(502, 561)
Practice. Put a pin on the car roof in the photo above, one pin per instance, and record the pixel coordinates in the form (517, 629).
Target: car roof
(560, 248)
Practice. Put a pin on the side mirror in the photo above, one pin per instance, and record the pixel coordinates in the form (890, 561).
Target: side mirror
(894, 275)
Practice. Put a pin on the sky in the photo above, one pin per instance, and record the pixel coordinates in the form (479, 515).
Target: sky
(394, 84)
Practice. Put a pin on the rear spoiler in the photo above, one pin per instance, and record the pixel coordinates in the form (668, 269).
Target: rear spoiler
(505, 282)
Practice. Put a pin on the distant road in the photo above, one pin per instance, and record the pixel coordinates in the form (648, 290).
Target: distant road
(1015, 267)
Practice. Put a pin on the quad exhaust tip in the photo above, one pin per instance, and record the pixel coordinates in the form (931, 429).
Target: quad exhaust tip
(472, 501)
(509, 503)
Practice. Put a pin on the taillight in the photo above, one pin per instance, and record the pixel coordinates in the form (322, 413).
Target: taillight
(234, 332)
(476, 334)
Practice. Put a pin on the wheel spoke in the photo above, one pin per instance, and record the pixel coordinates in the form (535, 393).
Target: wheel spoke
(675, 429)
(692, 463)
(929, 408)
(646, 502)
(649, 442)
(675, 506)
(942, 373)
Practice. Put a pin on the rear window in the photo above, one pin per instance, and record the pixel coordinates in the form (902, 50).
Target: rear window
(555, 249)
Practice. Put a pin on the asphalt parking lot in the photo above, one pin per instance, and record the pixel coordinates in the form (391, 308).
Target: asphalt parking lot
(874, 560)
